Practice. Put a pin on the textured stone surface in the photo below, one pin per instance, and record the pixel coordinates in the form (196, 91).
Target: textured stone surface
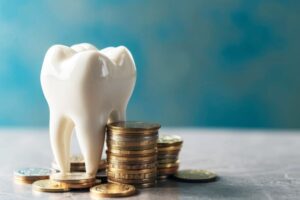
(251, 165)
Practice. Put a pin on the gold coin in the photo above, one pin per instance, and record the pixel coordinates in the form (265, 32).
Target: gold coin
(131, 148)
(167, 156)
(131, 181)
(169, 149)
(195, 175)
(131, 138)
(131, 162)
(133, 126)
(31, 174)
(139, 171)
(167, 171)
(83, 185)
(169, 140)
(128, 159)
(22, 182)
(141, 185)
(130, 144)
(134, 166)
(49, 186)
(124, 175)
(168, 152)
(73, 177)
(132, 153)
(132, 133)
(166, 161)
(113, 190)
(168, 165)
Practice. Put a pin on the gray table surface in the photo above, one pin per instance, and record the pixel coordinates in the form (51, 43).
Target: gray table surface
(251, 165)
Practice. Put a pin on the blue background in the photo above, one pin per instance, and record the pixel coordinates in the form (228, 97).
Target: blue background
(232, 63)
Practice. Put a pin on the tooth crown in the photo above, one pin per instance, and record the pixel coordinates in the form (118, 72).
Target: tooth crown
(85, 88)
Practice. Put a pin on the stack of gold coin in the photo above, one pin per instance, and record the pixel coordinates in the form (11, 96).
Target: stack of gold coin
(75, 180)
(78, 165)
(132, 153)
(168, 147)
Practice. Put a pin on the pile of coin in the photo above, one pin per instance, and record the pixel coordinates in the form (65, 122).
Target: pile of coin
(132, 153)
(78, 165)
(168, 152)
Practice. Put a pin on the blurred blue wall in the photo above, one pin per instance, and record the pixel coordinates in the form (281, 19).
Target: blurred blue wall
(233, 63)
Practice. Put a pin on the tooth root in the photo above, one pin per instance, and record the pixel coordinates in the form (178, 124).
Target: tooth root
(60, 135)
(90, 134)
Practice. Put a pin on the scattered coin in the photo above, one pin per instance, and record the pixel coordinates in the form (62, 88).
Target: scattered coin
(195, 175)
(113, 190)
(49, 186)
(31, 174)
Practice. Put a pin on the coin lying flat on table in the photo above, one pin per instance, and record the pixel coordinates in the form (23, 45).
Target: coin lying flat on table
(113, 190)
(195, 176)
(49, 186)
(31, 174)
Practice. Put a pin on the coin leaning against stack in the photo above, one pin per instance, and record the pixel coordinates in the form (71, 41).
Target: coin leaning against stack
(132, 153)
(168, 147)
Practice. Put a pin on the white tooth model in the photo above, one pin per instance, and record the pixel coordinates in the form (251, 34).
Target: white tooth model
(85, 89)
